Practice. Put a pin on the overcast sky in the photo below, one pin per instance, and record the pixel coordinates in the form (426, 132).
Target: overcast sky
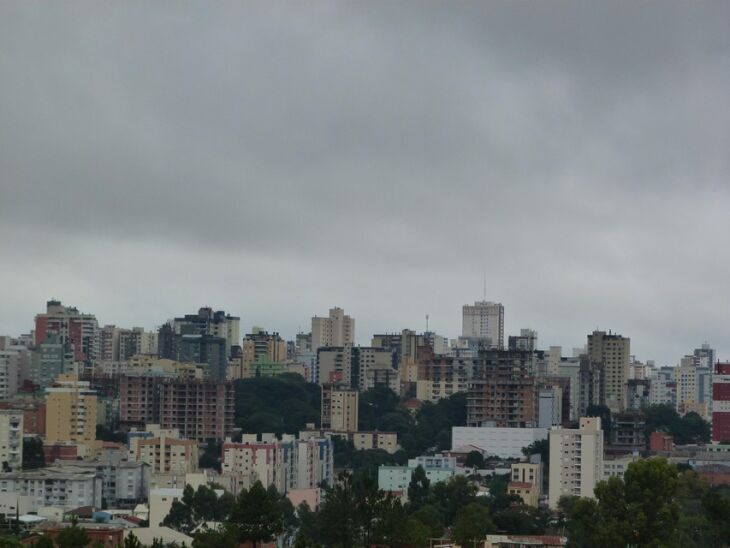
(276, 159)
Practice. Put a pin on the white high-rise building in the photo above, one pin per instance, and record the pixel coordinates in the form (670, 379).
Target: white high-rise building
(576, 460)
(484, 320)
(338, 329)
(11, 439)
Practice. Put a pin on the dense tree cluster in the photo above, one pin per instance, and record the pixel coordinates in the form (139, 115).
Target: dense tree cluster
(687, 429)
(281, 404)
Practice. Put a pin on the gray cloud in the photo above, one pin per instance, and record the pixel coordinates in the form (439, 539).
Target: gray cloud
(276, 159)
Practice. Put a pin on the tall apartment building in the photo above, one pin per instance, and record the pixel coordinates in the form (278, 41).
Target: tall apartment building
(721, 403)
(198, 409)
(576, 460)
(338, 329)
(207, 351)
(73, 327)
(704, 356)
(285, 463)
(339, 408)
(611, 353)
(164, 451)
(70, 411)
(526, 340)
(484, 320)
(9, 368)
(443, 376)
(11, 439)
(50, 359)
(358, 367)
(55, 486)
(208, 322)
(259, 346)
(502, 391)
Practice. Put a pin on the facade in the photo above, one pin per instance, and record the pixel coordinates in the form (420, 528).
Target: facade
(258, 347)
(163, 451)
(160, 502)
(576, 460)
(55, 486)
(502, 392)
(71, 411)
(205, 322)
(549, 406)
(337, 329)
(484, 321)
(441, 376)
(198, 409)
(74, 328)
(396, 478)
(358, 367)
(660, 442)
(526, 482)
(361, 440)
(285, 463)
(339, 408)
(9, 368)
(206, 351)
(721, 403)
(611, 353)
(123, 483)
(505, 443)
(11, 439)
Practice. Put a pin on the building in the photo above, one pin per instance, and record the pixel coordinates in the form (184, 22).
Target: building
(339, 408)
(206, 351)
(721, 403)
(160, 501)
(72, 327)
(285, 463)
(71, 411)
(198, 409)
(576, 460)
(550, 406)
(11, 439)
(9, 369)
(616, 466)
(505, 443)
(55, 486)
(338, 329)
(358, 367)
(205, 322)
(502, 391)
(441, 376)
(526, 482)
(663, 387)
(611, 353)
(259, 346)
(50, 359)
(123, 483)
(361, 440)
(164, 451)
(628, 430)
(661, 442)
(396, 478)
(524, 541)
(704, 356)
(484, 321)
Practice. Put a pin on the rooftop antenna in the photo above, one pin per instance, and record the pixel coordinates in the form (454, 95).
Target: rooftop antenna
(485, 285)
(426, 323)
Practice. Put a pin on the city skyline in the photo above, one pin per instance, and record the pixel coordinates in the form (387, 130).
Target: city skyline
(275, 161)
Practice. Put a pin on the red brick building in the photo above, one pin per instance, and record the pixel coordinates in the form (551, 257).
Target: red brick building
(721, 402)
(660, 441)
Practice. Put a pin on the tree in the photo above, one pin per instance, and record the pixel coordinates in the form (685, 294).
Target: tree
(432, 518)
(640, 509)
(539, 447)
(256, 515)
(33, 453)
(453, 495)
(338, 517)
(44, 542)
(131, 541)
(472, 524)
(72, 536)
(418, 488)
(474, 459)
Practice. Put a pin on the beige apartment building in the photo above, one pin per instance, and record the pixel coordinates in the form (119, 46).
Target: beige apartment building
(165, 452)
(610, 352)
(576, 460)
(70, 411)
(11, 439)
(526, 482)
(338, 329)
(339, 408)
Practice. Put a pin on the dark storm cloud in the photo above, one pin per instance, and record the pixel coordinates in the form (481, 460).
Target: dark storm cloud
(275, 159)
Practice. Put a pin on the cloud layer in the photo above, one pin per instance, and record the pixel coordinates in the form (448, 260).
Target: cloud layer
(275, 159)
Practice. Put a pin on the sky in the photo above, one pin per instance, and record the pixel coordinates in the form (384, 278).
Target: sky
(275, 159)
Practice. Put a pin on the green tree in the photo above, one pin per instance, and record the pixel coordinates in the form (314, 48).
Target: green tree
(256, 515)
(539, 447)
(474, 459)
(338, 517)
(453, 495)
(33, 453)
(472, 524)
(72, 537)
(131, 541)
(432, 518)
(419, 488)
(44, 542)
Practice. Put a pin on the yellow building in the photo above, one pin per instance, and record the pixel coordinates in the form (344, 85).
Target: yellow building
(70, 411)
(339, 408)
(526, 482)
(164, 451)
